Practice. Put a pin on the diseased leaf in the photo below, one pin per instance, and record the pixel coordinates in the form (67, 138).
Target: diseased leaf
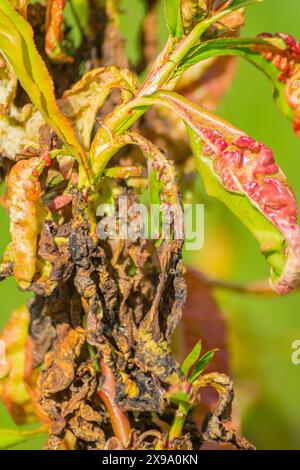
(18, 47)
(173, 17)
(242, 173)
(217, 426)
(12, 437)
(192, 357)
(54, 32)
(8, 85)
(81, 103)
(21, 132)
(26, 212)
(190, 9)
(13, 392)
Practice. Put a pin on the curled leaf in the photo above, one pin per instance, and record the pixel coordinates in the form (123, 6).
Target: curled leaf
(8, 85)
(21, 132)
(217, 426)
(18, 47)
(54, 32)
(190, 9)
(242, 173)
(81, 103)
(26, 211)
(13, 391)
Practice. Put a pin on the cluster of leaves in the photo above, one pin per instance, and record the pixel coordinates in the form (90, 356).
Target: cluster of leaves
(92, 355)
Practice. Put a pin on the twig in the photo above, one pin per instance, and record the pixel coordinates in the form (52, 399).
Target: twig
(258, 288)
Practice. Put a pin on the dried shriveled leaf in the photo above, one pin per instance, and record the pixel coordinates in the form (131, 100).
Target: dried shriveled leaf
(18, 47)
(242, 173)
(190, 9)
(8, 85)
(21, 132)
(13, 391)
(82, 103)
(26, 213)
(217, 426)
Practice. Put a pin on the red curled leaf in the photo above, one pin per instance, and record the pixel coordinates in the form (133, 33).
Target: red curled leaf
(25, 210)
(54, 31)
(242, 173)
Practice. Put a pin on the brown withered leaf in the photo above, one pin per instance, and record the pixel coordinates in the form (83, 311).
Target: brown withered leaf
(47, 313)
(54, 259)
(217, 426)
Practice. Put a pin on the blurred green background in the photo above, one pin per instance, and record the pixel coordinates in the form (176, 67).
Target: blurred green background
(261, 330)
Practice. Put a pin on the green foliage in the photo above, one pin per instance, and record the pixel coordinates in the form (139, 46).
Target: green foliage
(173, 18)
(10, 438)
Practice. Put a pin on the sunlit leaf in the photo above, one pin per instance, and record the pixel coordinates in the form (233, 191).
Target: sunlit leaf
(82, 102)
(26, 213)
(13, 391)
(54, 32)
(20, 5)
(242, 174)
(191, 359)
(173, 17)
(17, 45)
(201, 365)
(271, 55)
(8, 85)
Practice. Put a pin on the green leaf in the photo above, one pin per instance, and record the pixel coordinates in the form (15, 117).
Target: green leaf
(191, 358)
(251, 50)
(17, 45)
(235, 4)
(173, 18)
(201, 365)
(11, 437)
(252, 186)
